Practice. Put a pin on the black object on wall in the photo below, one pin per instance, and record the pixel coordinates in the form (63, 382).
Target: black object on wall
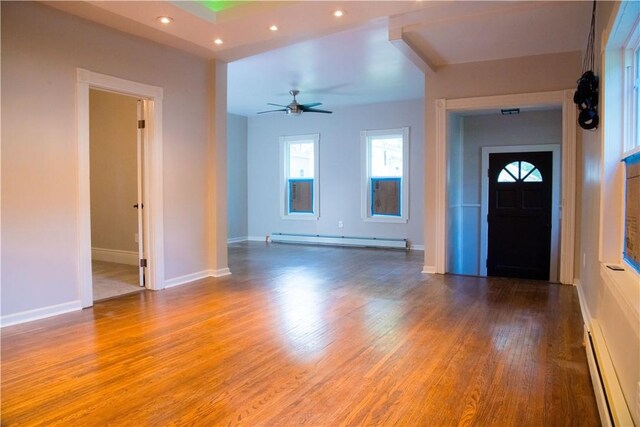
(586, 95)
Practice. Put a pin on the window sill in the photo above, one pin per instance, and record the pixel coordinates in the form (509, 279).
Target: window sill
(397, 220)
(625, 286)
(304, 217)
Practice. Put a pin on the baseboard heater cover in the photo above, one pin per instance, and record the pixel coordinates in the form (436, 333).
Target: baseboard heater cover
(316, 239)
(611, 403)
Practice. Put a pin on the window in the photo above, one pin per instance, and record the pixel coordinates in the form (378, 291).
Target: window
(631, 154)
(520, 171)
(299, 176)
(385, 176)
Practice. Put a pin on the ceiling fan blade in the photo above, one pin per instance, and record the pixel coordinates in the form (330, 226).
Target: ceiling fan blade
(277, 105)
(271, 111)
(315, 110)
(313, 104)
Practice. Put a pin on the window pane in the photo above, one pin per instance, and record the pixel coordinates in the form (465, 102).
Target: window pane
(301, 196)
(505, 177)
(534, 176)
(514, 168)
(525, 168)
(385, 196)
(386, 156)
(301, 160)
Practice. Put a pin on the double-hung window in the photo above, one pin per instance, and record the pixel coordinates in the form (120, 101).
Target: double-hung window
(631, 153)
(299, 176)
(385, 175)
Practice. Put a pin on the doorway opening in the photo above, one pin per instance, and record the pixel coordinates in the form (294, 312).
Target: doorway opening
(116, 192)
(149, 186)
(453, 210)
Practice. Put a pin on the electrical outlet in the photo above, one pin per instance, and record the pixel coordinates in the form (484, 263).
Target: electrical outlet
(135, 237)
(340, 224)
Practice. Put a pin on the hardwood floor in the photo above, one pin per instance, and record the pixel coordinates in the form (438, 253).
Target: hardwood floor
(308, 335)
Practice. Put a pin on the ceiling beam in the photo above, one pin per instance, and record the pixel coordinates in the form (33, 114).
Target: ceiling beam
(408, 49)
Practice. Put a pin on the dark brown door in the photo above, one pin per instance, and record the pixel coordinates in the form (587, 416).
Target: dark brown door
(519, 232)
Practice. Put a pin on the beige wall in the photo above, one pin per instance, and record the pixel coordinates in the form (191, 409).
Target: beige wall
(511, 76)
(114, 180)
(41, 48)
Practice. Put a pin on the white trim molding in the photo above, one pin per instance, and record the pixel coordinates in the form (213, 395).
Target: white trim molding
(190, 278)
(285, 143)
(40, 313)
(115, 255)
(153, 171)
(237, 239)
(563, 99)
(429, 269)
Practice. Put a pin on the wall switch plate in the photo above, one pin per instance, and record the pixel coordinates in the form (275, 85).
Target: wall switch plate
(340, 224)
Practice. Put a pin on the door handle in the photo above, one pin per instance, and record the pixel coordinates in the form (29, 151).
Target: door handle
(141, 205)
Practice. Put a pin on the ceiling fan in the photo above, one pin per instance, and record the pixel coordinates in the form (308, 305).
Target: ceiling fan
(295, 109)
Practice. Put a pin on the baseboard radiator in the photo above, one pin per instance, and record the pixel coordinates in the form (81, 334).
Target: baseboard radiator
(316, 239)
(611, 403)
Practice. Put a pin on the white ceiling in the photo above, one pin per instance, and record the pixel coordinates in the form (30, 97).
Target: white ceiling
(349, 60)
(351, 67)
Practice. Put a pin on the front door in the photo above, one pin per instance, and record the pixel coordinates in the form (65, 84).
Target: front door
(519, 220)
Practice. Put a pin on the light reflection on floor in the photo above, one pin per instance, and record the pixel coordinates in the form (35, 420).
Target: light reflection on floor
(302, 319)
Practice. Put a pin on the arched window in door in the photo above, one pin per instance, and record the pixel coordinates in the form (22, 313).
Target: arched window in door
(520, 171)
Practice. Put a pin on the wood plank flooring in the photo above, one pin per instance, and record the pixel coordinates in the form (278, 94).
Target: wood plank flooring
(303, 335)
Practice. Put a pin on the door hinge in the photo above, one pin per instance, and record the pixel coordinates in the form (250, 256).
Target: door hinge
(143, 262)
(141, 124)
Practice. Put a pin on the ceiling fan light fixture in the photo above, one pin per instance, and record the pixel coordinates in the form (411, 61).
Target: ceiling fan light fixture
(165, 20)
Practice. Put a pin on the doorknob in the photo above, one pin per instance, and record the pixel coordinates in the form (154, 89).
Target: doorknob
(136, 206)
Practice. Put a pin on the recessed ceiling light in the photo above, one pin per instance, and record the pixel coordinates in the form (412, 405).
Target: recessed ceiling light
(218, 41)
(273, 28)
(338, 13)
(166, 20)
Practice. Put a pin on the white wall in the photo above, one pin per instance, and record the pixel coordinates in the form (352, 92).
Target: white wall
(600, 300)
(340, 174)
(487, 130)
(237, 176)
(41, 48)
(114, 170)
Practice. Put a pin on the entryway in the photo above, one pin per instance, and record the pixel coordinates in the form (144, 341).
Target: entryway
(116, 156)
(149, 186)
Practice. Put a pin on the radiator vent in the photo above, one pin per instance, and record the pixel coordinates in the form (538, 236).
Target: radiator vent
(317, 239)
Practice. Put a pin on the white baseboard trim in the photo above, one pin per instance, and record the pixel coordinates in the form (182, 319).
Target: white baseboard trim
(114, 255)
(188, 278)
(584, 308)
(257, 238)
(39, 313)
(429, 269)
(220, 272)
(237, 239)
(417, 247)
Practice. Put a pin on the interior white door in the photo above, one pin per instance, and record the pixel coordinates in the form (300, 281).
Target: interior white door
(139, 205)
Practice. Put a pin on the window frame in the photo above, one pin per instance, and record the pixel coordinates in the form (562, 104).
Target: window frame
(285, 143)
(366, 136)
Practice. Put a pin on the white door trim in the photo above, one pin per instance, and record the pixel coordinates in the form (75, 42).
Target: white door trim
(555, 201)
(153, 176)
(562, 98)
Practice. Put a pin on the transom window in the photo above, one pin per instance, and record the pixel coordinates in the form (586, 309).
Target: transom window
(520, 171)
